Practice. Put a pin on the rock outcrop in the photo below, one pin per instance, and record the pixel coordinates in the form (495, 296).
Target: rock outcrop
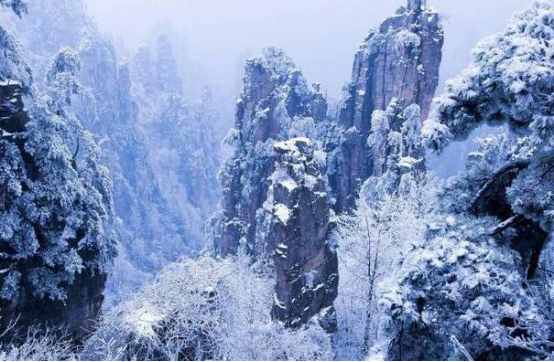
(401, 60)
(12, 114)
(276, 104)
(296, 234)
(275, 199)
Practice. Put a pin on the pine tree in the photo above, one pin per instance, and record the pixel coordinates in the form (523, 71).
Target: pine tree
(13, 67)
(479, 273)
(55, 209)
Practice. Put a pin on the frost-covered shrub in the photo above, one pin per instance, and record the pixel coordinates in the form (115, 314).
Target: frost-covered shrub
(396, 144)
(412, 139)
(461, 289)
(510, 80)
(13, 67)
(67, 205)
(371, 245)
(407, 40)
(205, 308)
(39, 346)
(465, 290)
(62, 82)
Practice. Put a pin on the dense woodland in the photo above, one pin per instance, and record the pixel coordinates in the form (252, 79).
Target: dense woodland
(316, 229)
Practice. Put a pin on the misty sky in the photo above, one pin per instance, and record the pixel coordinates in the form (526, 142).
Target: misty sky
(320, 35)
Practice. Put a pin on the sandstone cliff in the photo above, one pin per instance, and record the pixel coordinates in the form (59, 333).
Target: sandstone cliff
(275, 200)
(297, 222)
(400, 59)
(275, 104)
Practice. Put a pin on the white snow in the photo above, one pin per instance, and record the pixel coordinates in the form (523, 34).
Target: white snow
(282, 213)
(310, 276)
(282, 178)
(318, 287)
(144, 319)
(408, 162)
(9, 82)
(451, 220)
(5, 134)
(310, 181)
(320, 156)
(296, 321)
(290, 145)
(289, 183)
(262, 113)
(277, 302)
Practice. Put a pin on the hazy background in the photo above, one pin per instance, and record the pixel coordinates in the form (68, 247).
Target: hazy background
(320, 35)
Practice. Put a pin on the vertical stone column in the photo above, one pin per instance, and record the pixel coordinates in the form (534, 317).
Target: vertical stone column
(297, 228)
(399, 60)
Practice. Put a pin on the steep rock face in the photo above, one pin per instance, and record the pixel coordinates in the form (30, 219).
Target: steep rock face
(183, 149)
(167, 80)
(111, 116)
(400, 59)
(275, 199)
(100, 75)
(276, 104)
(12, 115)
(297, 228)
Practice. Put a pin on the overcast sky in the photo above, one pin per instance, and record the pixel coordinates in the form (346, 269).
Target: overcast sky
(320, 35)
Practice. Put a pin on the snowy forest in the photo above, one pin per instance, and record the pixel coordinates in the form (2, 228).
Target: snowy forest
(155, 205)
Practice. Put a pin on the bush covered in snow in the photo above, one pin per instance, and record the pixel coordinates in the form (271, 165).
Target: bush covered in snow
(205, 309)
(372, 243)
(39, 346)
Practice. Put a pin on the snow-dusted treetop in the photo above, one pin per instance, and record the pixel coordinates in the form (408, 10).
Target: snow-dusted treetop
(18, 6)
(511, 80)
(13, 66)
(275, 61)
(62, 79)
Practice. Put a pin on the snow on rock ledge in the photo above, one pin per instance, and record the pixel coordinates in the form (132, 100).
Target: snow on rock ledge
(276, 104)
(399, 59)
(296, 228)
